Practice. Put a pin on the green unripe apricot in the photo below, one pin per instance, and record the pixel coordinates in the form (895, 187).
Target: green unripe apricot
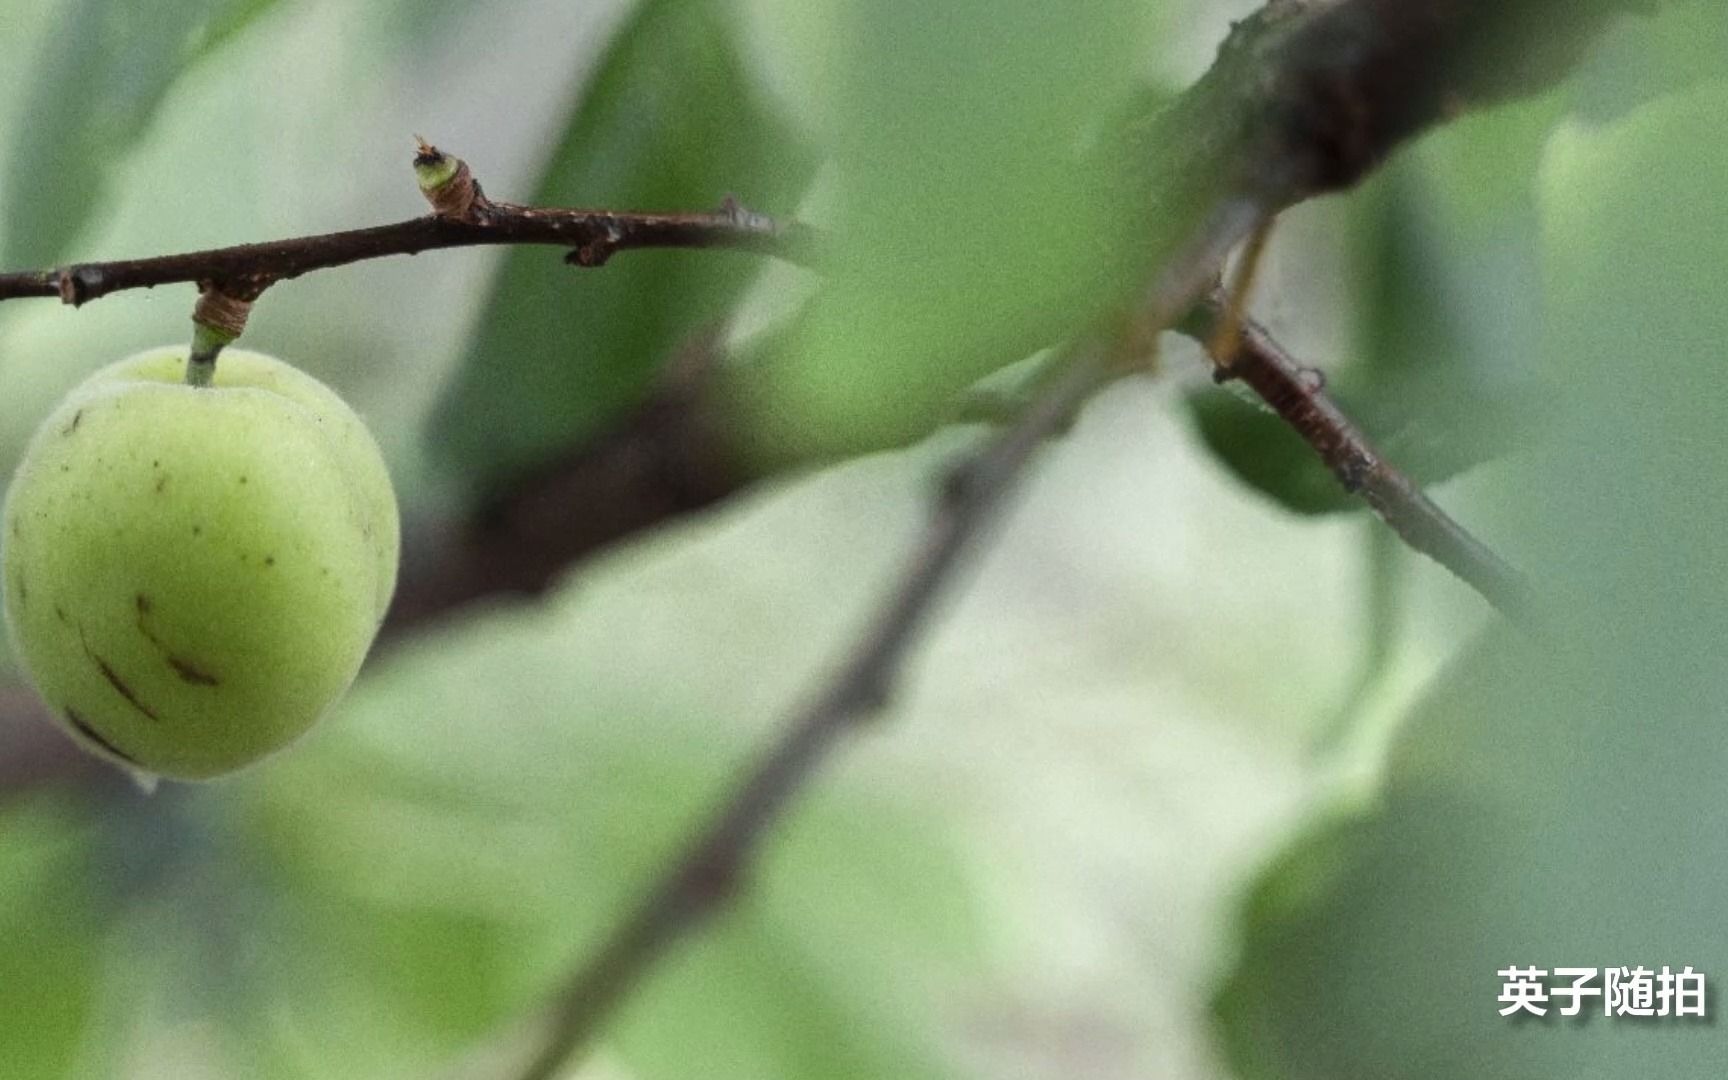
(192, 576)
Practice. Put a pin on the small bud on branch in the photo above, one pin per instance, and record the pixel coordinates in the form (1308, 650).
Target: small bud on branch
(446, 182)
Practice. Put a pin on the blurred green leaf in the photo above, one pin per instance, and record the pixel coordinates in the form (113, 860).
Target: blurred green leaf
(50, 940)
(1643, 59)
(446, 915)
(816, 972)
(1266, 454)
(972, 230)
(672, 121)
(417, 876)
(1558, 799)
(1446, 261)
(94, 90)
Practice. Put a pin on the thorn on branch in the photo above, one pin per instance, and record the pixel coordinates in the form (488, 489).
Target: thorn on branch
(595, 252)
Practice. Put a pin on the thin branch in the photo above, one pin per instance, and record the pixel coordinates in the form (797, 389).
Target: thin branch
(592, 236)
(708, 873)
(1291, 390)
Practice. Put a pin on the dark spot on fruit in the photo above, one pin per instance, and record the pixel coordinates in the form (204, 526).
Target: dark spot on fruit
(197, 530)
(191, 672)
(120, 685)
(242, 479)
(156, 464)
(83, 727)
(73, 426)
(23, 593)
(60, 611)
(145, 606)
(65, 468)
(269, 560)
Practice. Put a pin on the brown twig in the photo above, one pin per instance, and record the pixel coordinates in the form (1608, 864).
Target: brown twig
(593, 236)
(1302, 402)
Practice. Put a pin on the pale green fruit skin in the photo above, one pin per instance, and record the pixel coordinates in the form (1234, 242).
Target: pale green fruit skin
(193, 576)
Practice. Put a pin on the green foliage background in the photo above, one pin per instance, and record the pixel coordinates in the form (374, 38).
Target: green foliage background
(1185, 659)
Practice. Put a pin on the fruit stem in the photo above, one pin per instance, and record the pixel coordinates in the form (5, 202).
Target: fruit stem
(207, 344)
(217, 319)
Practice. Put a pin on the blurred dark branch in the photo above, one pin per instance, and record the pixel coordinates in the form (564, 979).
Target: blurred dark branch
(1310, 96)
(708, 873)
(1297, 396)
(710, 870)
(666, 458)
(671, 456)
(1304, 98)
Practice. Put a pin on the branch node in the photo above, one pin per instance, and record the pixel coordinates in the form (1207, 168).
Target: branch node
(592, 254)
(221, 310)
(598, 249)
(217, 320)
(76, 284)
(742, 217)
